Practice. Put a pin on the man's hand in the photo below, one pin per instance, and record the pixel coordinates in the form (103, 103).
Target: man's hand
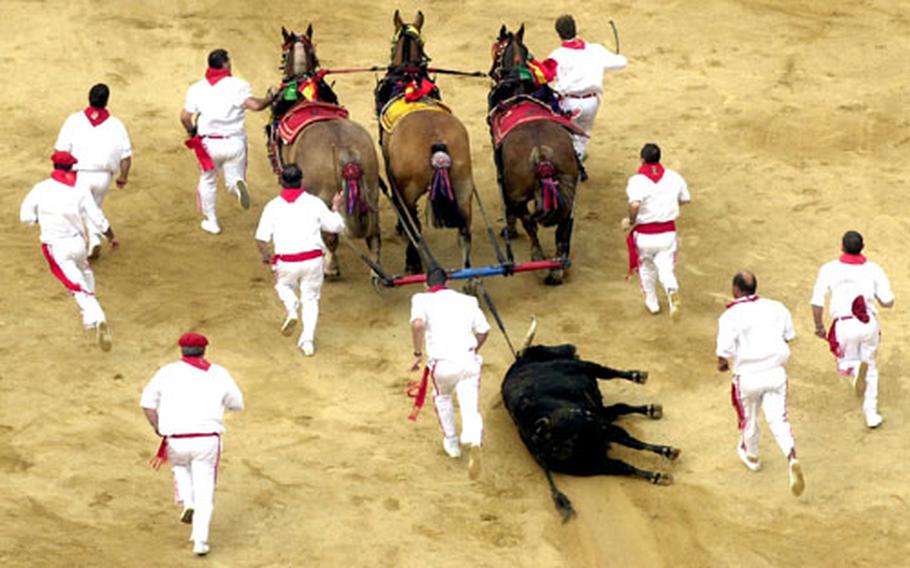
(336, 201)
(625, 223)
(415, 366)
(121, 181)
(267, 260)
(722, 364)
(820, 331)
(115, 243)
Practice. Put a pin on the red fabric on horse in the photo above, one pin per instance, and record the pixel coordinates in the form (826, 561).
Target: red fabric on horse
(305, 114)
(525, 110)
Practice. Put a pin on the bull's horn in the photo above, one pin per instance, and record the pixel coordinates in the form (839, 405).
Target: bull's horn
(530, 335)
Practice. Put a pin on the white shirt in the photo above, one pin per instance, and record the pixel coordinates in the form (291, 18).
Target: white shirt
(755, 334)
(190, 400)
(98, 148)
(847, 281)
(451, 319)
(581, 71)
(219, 106)
(297, 227)
(61, 210)
(659, 201)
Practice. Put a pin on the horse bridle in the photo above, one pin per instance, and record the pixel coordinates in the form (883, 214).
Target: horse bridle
(499, 52)
(287, 50)
(410, 34)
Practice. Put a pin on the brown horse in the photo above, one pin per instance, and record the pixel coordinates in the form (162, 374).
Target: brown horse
(335, 155)
(536, 160)
(426, 150)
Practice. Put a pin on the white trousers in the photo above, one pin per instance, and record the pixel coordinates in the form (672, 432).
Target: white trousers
(305, 278)
(194, 461)
(765, 390)
(461, 377)
(583, 113)
(97, 182)
(70, 256)
(859, 342)
(229, 157)
(657, 261)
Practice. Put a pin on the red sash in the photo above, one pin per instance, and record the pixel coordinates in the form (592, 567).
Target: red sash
(58, 272)
(202, 155)
(860, 312)
(161, 455)
(737, 405)
(646, 229)
(418, 391)
(297, 256)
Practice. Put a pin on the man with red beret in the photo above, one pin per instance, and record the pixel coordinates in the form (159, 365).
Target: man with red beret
(101, 144)
(185, 402)
(63, 209)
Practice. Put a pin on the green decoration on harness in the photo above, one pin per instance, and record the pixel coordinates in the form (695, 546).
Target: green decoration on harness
(291, 93)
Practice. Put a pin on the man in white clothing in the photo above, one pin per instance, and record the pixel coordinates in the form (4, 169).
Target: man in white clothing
(101, 145)
(63, 208)
(579, 78)
(855, 283)
(294, 222)
(754, 332)
(218, 137)
(454, 329)
(185, 402)
(655, 194)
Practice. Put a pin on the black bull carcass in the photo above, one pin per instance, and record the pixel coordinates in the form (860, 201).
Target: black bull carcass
(554, 399)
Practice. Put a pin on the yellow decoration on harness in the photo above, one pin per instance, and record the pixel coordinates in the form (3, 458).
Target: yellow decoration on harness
(398, 107)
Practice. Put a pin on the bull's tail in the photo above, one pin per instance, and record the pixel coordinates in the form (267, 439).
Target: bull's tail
(356, 206)
(441, 193)
(550, 203)
(563, 504)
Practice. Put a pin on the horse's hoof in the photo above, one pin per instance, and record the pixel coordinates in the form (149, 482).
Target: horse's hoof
(333, 276)
(413, 269)
(554, 278)
(508, 232)
(671, 453)
(640, 377)
(655, 411)
(661, 478)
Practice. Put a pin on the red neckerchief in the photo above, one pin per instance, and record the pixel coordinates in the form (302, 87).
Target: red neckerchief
(64, 177)
(576, 43)
(743, 300)
(291, 194)
(214, 75)
(198, 362)
(652, 171)
(847, 258)
(96, 115)
(434, 289)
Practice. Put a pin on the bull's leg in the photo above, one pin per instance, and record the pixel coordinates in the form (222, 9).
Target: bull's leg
(563, 505)
(618, 435)
(601, 372)
(619, 467)
(653, 411)
(332, 271)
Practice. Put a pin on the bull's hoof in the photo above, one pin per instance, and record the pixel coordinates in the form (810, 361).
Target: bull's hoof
(640, 377)
(661, 478)
(670, 453)
(655, 411)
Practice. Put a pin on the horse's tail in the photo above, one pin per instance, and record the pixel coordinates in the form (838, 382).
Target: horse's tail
(549, 201)
(441, 193)
(356, 206)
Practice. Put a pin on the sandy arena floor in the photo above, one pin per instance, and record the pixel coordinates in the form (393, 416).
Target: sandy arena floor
(788, 119)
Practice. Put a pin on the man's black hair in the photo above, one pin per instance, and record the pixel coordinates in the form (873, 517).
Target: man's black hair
(218, 59)
(98, 95)
(192, 351)
(650, 153)
(852, 242)
(436, 276)
(565, 27)
(291, 176)
(746, 282)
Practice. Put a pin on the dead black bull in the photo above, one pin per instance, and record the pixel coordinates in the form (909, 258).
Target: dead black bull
(554, 399)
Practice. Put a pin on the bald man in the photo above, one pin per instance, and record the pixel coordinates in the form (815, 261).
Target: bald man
(755, 332)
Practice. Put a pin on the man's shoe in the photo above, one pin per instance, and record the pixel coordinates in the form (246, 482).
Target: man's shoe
(308, 348)
(752, 464)
(474, 462)
(859, 381)
(95, 251)
(288, 327)
(452, 447)
(797, 481)
(652, 303)
(210, 226)
(243, 194)
(186, 517)
(103, 334)
(874, 420)
(200, 548)
(673, 300)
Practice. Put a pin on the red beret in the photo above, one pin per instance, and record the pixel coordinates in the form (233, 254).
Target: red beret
(63, 159)
(193, 340)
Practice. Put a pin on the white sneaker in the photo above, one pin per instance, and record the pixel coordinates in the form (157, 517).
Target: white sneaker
(673, 301)
(103, 335)
(874, 420)
(94, 251)
(474, 462)
(652, 303)
(210, 226)
(288, 327)
(752, 465)
(797, 481)
(200, 548)
(859, 381)
(186, 517)
(243, 194)
(308, 348)
(452, 447)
